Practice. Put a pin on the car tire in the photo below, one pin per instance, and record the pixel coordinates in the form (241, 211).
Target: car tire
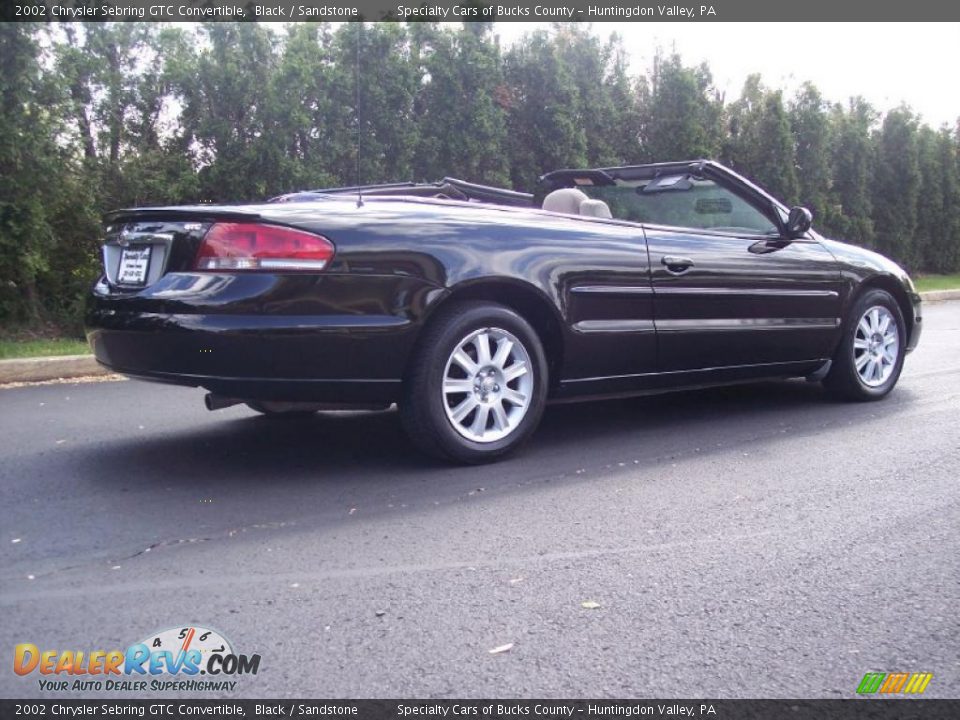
(868, 362)
(477, 384)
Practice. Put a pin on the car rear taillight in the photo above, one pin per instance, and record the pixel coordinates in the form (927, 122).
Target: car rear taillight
(252, 246)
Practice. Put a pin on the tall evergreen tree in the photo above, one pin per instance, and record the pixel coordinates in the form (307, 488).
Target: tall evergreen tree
(26, 154)
(761, 145)
(622, 124)
(47, 216)
(930, 197)
(680, 112)
(948, 243)
(937, 237)
(605, 106)
(813, 134)
(460, 121)
(544, 132)
(896, 186)
(852, 157)
(381, 124)
(222, 81)
(306, 122)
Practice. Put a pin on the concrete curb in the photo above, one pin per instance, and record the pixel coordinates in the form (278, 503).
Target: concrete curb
(940, 295)
(39, 369)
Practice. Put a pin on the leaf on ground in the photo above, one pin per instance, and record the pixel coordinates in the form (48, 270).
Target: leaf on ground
(501, 649)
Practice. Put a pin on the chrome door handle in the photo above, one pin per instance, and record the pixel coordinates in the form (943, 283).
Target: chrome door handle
(676, 264)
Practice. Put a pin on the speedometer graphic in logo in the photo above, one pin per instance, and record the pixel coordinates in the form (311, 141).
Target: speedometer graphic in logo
(180, 641)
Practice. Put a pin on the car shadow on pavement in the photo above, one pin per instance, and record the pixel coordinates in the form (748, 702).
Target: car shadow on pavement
(316, 469)
(334, 447)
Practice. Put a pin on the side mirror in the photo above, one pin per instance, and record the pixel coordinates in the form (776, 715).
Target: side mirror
(798, 222)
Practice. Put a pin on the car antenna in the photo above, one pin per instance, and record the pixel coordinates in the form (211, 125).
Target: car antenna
(359, 123)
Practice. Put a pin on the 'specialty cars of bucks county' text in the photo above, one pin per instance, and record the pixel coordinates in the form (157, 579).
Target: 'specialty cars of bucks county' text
(472, 307)
(506, 11)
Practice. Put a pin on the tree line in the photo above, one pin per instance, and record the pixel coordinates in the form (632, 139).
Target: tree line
(100, 116)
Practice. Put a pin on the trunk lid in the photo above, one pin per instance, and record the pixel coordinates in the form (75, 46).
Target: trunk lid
(142, 245)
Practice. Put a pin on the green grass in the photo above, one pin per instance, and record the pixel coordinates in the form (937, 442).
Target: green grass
(938, 282)
(38, 348)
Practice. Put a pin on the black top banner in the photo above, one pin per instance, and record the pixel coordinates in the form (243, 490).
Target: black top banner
(480, 11)
(489, 709)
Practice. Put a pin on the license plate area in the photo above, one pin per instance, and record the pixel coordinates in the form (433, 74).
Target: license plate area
(134, 265)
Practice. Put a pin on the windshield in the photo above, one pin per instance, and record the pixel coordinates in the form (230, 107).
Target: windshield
(682, 201)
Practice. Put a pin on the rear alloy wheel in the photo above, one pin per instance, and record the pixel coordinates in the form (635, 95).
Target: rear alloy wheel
(870, 357)
(487, 385)
(478, 385)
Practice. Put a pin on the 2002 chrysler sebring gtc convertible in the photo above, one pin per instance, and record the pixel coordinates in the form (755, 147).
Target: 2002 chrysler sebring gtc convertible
(471, 307)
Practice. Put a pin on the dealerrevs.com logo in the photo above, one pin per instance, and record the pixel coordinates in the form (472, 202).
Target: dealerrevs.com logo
(179, 659)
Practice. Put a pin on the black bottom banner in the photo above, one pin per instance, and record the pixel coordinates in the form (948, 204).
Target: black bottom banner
(893, 709)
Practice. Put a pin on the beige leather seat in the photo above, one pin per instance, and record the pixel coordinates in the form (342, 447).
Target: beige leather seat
(571, 201)
(595, 208)
(565, 200)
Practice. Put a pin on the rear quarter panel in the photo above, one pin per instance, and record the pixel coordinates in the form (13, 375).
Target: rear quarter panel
(457, 247)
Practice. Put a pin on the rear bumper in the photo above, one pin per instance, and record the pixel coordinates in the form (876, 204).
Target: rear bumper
(252, 357)
(329, 355)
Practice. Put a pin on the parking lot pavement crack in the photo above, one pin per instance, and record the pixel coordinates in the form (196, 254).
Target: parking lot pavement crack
(161, 544)
(341, 573)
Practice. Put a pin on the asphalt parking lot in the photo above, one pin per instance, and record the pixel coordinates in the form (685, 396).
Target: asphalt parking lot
(761, 541)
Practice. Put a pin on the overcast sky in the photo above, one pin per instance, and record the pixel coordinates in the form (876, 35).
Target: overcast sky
(887, 63)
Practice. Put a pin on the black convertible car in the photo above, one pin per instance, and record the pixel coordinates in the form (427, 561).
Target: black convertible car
(472, 307)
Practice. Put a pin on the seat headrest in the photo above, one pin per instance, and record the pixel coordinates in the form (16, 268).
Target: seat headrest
(565, 200)
(595, 208)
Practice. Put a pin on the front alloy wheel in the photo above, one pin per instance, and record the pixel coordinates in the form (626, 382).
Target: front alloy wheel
(876, 346)
(868, 361)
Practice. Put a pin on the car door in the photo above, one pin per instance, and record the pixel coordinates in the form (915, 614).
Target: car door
(730, 291)
(604, 281)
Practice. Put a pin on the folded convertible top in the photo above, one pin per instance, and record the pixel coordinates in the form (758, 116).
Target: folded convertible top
(449, 188)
